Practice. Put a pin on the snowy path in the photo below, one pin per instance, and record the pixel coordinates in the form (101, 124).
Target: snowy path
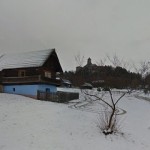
(142, 98)
(91, 106)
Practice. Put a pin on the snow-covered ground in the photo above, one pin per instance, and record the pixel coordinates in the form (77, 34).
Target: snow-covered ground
(74, 90)
(27, 124)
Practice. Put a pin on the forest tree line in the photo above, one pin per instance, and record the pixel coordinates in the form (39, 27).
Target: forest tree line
(104, 76)
(116, 75)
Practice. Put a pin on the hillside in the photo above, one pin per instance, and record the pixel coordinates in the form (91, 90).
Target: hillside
(27, 124)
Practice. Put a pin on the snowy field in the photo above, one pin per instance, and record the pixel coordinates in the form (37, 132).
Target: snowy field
(28, 124)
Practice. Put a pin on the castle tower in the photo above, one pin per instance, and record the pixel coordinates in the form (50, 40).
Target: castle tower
(89, 61)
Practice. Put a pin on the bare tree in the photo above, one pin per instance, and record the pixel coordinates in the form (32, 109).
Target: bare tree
(79, 60)
(116, 61)
(108, 121)
(142, 68)
(101, 62)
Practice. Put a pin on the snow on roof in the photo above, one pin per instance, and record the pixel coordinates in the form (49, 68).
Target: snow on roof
(66, 81)
(24, 59)
(87, 84)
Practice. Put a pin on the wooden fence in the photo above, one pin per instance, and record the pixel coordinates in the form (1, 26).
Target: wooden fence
(60, 97)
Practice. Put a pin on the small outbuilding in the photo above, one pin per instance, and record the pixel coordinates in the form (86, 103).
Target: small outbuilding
(66, 83)
(86, 86)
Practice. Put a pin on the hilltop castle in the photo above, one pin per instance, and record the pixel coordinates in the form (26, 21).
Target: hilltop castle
(89, 66)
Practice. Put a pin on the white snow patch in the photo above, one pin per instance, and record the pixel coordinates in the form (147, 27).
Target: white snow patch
(27, 124)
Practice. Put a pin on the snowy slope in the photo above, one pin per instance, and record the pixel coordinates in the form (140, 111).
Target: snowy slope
(27, 124)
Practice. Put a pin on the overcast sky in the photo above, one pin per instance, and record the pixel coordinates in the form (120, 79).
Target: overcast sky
(92, 28)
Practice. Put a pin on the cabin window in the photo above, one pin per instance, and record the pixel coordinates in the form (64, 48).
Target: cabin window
(47, 90)
(21, 73)
(47, 74)
(14, 89)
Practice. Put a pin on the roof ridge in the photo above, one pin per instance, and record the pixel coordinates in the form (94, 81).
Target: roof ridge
(28, 51)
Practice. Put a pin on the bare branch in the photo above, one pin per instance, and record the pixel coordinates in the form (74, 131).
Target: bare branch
(142, 68)
(115, 61)
(98, 98)
(128, 91)
(120, 97)
(112, 100)
(79, 60)
(101, 62)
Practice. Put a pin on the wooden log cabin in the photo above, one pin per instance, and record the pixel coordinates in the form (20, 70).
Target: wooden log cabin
(27, 73)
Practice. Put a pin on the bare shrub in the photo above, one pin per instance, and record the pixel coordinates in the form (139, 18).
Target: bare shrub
(108, 119)
(103, 121)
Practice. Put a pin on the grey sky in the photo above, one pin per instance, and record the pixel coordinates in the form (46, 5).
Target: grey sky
(91, 27)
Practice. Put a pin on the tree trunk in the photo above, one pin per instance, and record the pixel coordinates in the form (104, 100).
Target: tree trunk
(111, 123)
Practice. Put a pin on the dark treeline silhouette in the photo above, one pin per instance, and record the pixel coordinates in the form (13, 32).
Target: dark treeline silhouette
(104, 76)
